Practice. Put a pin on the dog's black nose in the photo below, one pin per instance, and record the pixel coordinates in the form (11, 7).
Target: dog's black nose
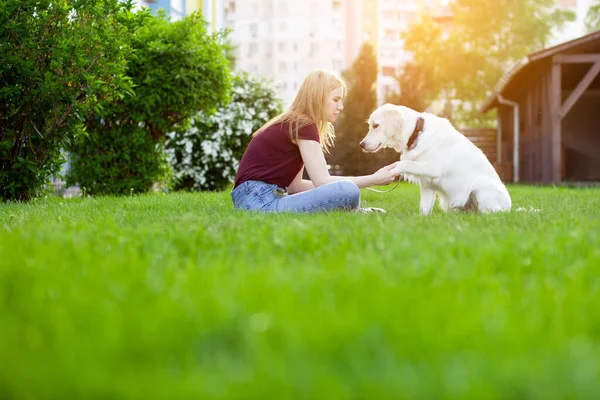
(362, 144)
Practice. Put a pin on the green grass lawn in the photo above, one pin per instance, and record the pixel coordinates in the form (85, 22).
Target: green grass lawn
(178, 296)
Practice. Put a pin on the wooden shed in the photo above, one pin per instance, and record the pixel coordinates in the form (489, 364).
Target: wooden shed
(549, 115)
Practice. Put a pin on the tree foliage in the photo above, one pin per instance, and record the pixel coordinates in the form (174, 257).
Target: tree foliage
(465, 61)
(177, 69)
(415, 84)
(592, 18)
(351, 126)
(59, 60)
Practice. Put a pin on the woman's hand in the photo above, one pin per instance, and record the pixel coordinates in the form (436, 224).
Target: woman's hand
(385, 175)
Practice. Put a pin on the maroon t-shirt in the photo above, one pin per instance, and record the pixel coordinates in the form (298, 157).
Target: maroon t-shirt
(272, 157)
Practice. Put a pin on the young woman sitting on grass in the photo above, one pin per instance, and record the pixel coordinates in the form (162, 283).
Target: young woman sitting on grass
(269, 177)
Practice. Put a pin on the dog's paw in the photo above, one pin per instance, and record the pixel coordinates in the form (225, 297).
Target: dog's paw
(398, 170)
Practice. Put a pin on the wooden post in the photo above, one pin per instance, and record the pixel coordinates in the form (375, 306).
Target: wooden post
(556, 121)
(560, 110)
(499, 137)
(547, 127)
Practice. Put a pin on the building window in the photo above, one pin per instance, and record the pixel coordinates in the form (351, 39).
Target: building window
(268, 11)
(281, 47)
(252, 49)
(314, 49)
(388, 71)
(282, 67)
(253, 30)
(230, 8)
(315, 8)
(283, 10)
(338, 25)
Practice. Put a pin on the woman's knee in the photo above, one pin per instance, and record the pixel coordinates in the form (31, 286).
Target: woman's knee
(350, 193)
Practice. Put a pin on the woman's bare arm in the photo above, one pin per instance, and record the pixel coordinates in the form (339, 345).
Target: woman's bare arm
(316, 166)
(300, 185)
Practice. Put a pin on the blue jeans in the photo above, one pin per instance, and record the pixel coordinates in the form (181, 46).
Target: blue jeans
(267, 197)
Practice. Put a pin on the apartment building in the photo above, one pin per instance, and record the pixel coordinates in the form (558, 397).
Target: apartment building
(284, 40)
(394, 18)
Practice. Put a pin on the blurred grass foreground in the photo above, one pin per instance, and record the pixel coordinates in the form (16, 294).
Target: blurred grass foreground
(178, 296)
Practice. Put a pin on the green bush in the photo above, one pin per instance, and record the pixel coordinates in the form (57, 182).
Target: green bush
(120, 161)
(58, 60)
(177, 69)
(206, 156)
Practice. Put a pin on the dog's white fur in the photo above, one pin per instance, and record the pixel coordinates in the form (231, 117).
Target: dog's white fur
(443, 161)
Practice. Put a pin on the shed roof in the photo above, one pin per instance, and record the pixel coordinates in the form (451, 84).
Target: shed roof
(516, 79)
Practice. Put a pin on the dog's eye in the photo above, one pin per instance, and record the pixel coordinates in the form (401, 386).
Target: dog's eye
(375, 126)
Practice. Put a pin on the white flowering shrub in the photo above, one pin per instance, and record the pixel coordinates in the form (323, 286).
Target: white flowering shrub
(207, 154)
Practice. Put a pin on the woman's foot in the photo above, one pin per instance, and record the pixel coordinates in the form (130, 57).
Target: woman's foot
(371, 210)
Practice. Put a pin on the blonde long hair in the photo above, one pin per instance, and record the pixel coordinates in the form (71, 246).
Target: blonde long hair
(310, 107)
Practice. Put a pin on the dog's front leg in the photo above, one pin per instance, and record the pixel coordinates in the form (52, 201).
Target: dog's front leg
(427, 200)
(418, 168)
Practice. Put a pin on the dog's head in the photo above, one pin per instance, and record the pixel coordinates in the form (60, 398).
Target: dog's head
(389, 126)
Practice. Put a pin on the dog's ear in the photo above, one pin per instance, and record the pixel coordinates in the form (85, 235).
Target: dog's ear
(393, 121)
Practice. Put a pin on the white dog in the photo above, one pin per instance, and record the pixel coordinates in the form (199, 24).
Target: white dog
(439, 158)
